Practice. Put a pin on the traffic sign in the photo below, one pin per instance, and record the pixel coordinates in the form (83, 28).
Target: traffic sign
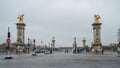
(8, 40)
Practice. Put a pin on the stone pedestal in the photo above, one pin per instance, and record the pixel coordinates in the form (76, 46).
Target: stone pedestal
(97, 45)
(97, 34)
(53, 43)
(84, 43)
(8, 56)
(20, 44)
(74, 46)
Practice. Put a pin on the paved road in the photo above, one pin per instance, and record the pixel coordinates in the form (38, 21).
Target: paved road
(61, 60)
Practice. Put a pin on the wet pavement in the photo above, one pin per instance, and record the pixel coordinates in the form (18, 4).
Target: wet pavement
(61, 60)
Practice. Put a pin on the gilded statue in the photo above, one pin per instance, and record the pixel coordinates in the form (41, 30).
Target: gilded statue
(20, 18)
(96, 17)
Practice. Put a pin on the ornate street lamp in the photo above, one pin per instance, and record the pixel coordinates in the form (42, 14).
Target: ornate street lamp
(28, 46)
(34, 47)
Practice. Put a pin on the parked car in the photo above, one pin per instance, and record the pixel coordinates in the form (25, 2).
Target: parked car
(40, 51)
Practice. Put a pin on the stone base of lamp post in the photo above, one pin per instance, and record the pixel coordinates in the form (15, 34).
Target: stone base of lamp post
(8, 57)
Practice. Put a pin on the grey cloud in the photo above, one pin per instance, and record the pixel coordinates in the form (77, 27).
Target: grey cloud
(64, 19)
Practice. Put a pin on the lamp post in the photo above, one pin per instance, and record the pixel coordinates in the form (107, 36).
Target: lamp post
(34, 47)
(53, 42)
(28, 45)
(49, 45)
(74, 46)
(8, 42)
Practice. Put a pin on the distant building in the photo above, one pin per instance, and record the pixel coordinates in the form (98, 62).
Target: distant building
(119, 35)
(13, 46)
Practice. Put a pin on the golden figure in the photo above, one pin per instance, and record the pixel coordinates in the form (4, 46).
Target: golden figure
(20, 18)
(96, 17)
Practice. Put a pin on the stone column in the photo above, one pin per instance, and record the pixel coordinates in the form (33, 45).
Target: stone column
(74, 46)
(84, 45)
(20, 36)
(97, 45)
(97, 34)
(53, 42)
(84, 42)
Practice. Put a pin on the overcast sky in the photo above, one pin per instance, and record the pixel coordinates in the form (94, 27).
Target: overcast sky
(63, 19)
